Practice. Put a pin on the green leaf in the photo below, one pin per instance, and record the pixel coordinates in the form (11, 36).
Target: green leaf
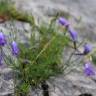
(24, 87)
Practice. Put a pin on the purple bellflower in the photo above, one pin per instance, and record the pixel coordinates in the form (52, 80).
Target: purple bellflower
(2, 39)
(89, 69)
(87, 49)
(15, 49)
(73, 34)
(63, 22)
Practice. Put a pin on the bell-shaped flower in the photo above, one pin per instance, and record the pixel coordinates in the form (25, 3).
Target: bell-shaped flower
(15, 48)
(73, 34)
(89, 69)
(63, 21)
(87, 49)
(2, 39)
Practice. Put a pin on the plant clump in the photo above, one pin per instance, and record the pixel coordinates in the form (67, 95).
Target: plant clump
(33, 64)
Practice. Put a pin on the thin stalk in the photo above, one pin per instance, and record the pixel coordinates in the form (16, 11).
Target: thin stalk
(70, 57)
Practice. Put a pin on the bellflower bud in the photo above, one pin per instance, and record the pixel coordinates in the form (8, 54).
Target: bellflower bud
(63, 21)
(2, 39)
(15, 49)
(73, 34)
(88, 69)
(87, 48)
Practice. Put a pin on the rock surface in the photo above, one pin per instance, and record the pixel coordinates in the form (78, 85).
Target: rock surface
(76, 82)
(45, 9)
